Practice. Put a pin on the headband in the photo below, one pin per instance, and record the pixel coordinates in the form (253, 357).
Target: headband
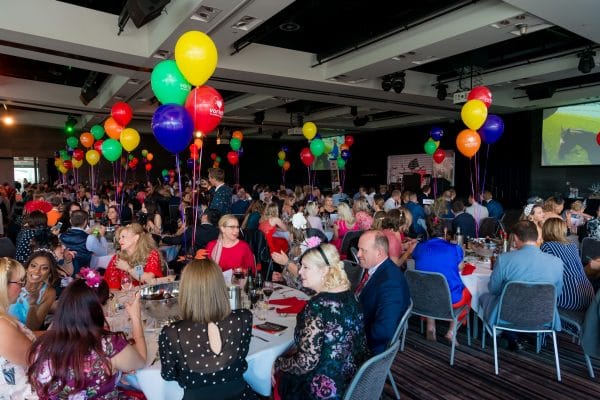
(528, 209)
(323, 255)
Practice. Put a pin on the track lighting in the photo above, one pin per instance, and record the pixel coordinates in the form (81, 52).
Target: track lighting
(441, 91)
(586, 61)
(398, 82)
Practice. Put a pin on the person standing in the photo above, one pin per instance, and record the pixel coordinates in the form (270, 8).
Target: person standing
(220, 193)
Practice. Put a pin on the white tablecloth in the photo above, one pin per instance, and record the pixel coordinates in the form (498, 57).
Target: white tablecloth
(261, 356)
(477, 282)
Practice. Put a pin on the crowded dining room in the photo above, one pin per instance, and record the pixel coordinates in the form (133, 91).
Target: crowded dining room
(299, 199)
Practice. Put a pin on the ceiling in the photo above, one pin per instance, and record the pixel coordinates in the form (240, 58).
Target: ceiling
(282, 63)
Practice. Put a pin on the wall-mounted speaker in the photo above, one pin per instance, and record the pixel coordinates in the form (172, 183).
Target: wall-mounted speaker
(143, 11)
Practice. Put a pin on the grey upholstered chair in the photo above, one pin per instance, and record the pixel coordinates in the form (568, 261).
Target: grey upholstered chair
(572, 324)
(400, 335)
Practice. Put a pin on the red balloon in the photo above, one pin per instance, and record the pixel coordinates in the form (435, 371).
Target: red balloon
(206, 107)
(598, 138)
(213, 156)
(131, 164)
(233, 157)
(481, 93)
(122, 113)
(148, 167)
(98, 146)
(68, 164)
(439, 155)
(193, 148)
(306, 157)
(172, 173)
(78, 154)
(349, 140)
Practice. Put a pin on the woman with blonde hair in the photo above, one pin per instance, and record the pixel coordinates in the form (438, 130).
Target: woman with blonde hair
(362, 213)
(138, 258)
(553, 207)
(16, 338)
(577, 292)
(575, 216)
(270, 224)
(329, 339)
(344, 224)
(206, 351)
(228, 251)
(312, 215)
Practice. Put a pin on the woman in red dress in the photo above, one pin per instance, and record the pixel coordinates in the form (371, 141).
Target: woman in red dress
(138, 258)
(228, 250)
(269, 224)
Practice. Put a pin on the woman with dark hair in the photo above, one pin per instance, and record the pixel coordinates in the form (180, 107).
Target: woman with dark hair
(78, 358)
(253, 214)
(35, 223)
(206, 351)
(153, 219)
(38, 294)
(65, 218)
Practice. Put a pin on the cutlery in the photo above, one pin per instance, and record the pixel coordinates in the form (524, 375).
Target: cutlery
(263, 339)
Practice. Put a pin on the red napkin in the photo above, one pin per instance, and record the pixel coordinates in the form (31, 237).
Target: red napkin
(468, 269)
(294, 305)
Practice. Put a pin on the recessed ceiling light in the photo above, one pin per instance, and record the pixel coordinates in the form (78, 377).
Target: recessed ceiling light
(425, 60)
(205, 14)
(162, 54)
(246, 23)
(133, 81)
(523, 29)
(289, 26)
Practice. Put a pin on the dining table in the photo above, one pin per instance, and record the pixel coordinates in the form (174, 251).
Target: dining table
(477, 283)
(264, 349)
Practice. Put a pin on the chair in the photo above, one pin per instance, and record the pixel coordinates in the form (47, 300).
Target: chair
(258, 243)
(7, 248)
(489, 227)
(572, 323)
(354, 253)
(310, 232)
(354, 272)
(400, 331)
(432, 299)
(536, 317)
(370, 378)
(350, 240)
(590, 248)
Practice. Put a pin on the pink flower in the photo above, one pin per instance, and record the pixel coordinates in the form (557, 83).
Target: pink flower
(311, 242)
(92, 277)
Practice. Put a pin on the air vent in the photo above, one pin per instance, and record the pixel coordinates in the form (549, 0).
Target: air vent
(161, 54)
(246, 23)
(205, 14)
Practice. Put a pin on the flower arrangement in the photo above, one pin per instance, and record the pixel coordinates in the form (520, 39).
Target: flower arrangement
(92, 277)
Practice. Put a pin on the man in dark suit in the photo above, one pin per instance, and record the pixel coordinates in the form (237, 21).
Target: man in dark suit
(495, 209)
(220, 193)
(463, 220)
(384, 295)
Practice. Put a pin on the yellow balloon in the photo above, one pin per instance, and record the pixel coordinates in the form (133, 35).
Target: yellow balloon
(130, 139)
(77, 163)
(58, 162)
(196, 57)
(437, 143)
(309, 130)
(281, 155)
(474, 114)
(62, 169)
(92, 157)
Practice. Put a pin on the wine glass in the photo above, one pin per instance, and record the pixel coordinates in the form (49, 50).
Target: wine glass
(254, 296)
(126, 282)
(238, 275)
(267, 290)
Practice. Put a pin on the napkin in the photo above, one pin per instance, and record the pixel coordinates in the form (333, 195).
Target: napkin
(468, 269)
(227, 275)
(293, 305)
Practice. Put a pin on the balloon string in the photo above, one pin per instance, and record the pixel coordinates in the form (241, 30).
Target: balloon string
(194, 211)
(476, 189)
(487, 157)
(182, 211)
(196, 199)
(123, 187)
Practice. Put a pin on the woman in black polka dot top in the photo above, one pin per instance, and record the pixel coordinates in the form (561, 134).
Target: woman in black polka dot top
(206, 351)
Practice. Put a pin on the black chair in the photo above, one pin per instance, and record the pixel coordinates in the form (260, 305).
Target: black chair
(489, 227)
(258, 243)
(7, 248)
(310, 232)
(590, 249)
(350, 240)
(354, 272)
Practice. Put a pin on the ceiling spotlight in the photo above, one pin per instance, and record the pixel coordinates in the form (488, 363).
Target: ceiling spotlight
(522, 28)
(586, 61)
(398, 82)
(70, 125)
(441, 91)
(354, 110)
(7, 119)
(259, 117)
(361, 121)
(386, 83)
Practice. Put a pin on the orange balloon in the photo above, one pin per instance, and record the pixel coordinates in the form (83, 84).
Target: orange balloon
(237, 135)
(86, 139)
(468, 142)
(286, 165)
(344, 147)
(198, 143)
(112, 128)
(149, 156)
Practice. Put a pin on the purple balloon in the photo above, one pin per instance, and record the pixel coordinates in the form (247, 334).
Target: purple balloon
(241, 152)
(436, 133)
(190, 163)
(285, 149)
(173, 127)
(345, 154)
(492, 129)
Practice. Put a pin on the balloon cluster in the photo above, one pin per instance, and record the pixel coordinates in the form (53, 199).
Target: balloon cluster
(236, 147)
(168, 175)
(148, 157)
(216, 160)
(481, 126)
(281, 161)
(185, 110)
(432, 145)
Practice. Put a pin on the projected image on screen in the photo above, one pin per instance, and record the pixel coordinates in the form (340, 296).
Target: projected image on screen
(569, 135)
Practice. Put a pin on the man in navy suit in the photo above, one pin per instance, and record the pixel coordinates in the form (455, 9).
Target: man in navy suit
(384, 296)
(220, 193)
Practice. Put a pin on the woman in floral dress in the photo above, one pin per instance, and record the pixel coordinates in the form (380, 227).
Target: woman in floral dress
(330, 341)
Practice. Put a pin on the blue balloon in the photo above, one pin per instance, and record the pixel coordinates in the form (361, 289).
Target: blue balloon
(166, 178)
(333, 155)
(436, 133)
(345, 154)
(285, 149)
(492, 129)
(173, 127)
(240, 152)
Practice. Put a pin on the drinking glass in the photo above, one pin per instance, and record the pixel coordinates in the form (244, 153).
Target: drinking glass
(238, 276)
(260, 310)
(126, 282)
(171, 274)
(267, 290)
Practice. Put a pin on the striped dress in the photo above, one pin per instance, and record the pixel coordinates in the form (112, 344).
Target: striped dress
(578, 291)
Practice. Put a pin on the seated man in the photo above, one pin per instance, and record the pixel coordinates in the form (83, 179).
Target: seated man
(478, 211)
(383, 292)
(495, 209)
(527, 264)
(462, 220)
(419, 225)
(84, 245)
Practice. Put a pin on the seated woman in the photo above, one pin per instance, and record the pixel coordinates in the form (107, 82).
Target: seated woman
(16, 338)
(153, 220)
(328, 208)
(344, 224)
(362, 214)
(253, 214)
(535, 214)
(228, 251)
(577, 292)
(138, 257)
(38, 294)
(206, 351)
(329, 339)
(78, 358)
(312, 216)
(439, 255)
(553, 207)
(593, 226)
(270, 224)
(575, 217)
(399, 249)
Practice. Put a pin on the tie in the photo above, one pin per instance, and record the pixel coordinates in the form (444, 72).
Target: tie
(362, 283)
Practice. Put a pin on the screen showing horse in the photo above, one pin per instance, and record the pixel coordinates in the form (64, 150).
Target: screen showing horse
(569, 135)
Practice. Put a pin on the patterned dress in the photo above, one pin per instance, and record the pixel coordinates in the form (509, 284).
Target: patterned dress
(13, 379)
(330, 346)
(113, 275)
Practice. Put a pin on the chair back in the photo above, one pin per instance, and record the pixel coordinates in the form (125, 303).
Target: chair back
(354, 253)
(527, 306)
(430, 294)
(310, 232)
(488, 227)
(590, 248)
(354, 272)
(350, 240)
(402, 324)
(258, 243)
(370, 378)
(7, 248)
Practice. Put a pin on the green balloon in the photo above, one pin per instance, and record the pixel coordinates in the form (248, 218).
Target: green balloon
(218, 159)
(341, 163)
(111, 149)
(280, 162)
(130, 157)
(165, 172)
(97, 131)
(317, 147)
(430, 146)
(235, 144)
(72, 142)
(168, 83)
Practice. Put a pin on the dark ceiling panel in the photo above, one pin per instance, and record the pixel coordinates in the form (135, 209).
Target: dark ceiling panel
(107, 6)
(307, 107)
(329, 27)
